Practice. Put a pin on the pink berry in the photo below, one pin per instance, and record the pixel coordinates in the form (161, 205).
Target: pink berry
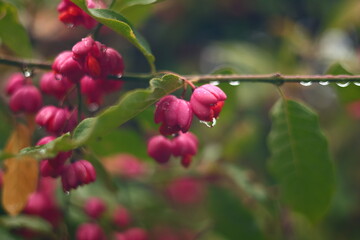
(43, 205)
(160, 148)
(47, 170)
(50, 84)
(90, 231)
(121, 217)
(186, 191)
(71, 14)
(65, 65)
(60, 158)
(207, 101)
(185, 145)
(56, 120)
(174, 114)
(136, 233)
(26, 99)
(76, 174)
(97, 60)
(114, 60)
(94, 207)
(15, 81)
(92, 91)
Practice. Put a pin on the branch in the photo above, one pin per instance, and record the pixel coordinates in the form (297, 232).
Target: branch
(273, 78)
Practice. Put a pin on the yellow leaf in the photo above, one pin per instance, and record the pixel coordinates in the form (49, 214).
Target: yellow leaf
(21, 174)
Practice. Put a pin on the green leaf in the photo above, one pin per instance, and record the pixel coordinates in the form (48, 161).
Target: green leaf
(12, 33)
(22, 221)
(337, 69)
(121, 25)
(120, 141)
(346, 94)
(92, 129)
(120, 5)
(231, 219)
(300, 159)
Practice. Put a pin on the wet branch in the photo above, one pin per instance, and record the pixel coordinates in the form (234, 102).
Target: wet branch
(273, 78)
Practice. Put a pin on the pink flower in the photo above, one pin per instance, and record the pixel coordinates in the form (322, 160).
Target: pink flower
(207, 101)
(174, 114)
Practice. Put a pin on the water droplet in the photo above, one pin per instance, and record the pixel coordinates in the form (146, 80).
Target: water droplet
(67, 193)
(306, 84)
(93, 107)
(70, 25)
(234, 83)
(324, 83)
(209, 124)
(343, 84)
(119, 75)
(27, 73)
(357, 83)
(215, 83)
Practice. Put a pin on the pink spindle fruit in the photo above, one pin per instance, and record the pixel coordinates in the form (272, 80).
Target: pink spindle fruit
(207, 101)
(174, 114)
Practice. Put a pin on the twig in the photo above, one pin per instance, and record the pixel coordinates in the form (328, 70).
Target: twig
(273, 78)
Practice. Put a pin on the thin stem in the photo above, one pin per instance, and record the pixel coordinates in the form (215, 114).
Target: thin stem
(24, 64)
(273, 78)
(79, 100)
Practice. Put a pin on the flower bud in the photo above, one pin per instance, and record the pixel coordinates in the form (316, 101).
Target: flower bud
(174, 114)
(121, 217)
(160, 148)
(58, 88)
(207, 101)
(77, 174)
(26, 99)
(90, 231)
(65, 65)
(14, 82)
(94, 207)
(185, 145)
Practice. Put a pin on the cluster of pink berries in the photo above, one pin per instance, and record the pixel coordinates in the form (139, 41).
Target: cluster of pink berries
(95, 209)
(89, 63)
(72, 15)
(176, 115)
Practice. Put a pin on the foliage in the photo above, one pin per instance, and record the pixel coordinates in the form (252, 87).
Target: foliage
(253, 177)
